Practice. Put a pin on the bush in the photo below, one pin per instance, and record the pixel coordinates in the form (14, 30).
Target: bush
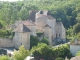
(34, 40)
(6, 33)
(78, 53)
(21, 54)
(45, 40)
(59, 58)
(4, 57)
(42, 50)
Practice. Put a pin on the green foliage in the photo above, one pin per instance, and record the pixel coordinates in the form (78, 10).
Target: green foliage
(68, 13)
(77, 28)
(4, 57)
(78, 36)
(1, 25)
(44, 51)
(78, 53)
(21, 54)
(6, 34)
(33, 41)
(59, 58)
(39, 34)
(45, 40)
(69, 33)
(62, 51)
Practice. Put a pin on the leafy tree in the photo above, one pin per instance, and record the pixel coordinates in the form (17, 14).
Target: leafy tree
(70, 33)
(1, 25)
(78, 53)
(4, 57)
(76, 28)
(59, 58)
(45, 40)
(44, 51)
(33, 41)
(78, 18)
(21, 54)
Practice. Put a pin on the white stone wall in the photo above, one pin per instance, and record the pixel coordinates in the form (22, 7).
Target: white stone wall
(22, 39)
(6, 42)
(41, 22)
(63, 32)
(74, 49)
(48, 34)
(60, 31)
(52, 24)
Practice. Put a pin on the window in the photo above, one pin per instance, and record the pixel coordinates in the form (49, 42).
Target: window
(59, 35)
(21, 43)
(56, 35)
(41, 12)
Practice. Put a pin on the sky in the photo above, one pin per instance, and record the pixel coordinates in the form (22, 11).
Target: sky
(11, 0)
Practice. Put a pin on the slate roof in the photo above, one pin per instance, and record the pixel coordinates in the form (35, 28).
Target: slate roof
(22, 28)
(28, 23)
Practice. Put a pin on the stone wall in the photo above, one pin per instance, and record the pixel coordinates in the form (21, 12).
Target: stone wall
(22, 39)
(6, 42)
(60, 31)
(74, 48)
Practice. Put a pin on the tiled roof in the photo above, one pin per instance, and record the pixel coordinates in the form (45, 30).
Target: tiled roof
(22, 28)
(50, 17)
(75, 58)
(47, 26)
(28, 23)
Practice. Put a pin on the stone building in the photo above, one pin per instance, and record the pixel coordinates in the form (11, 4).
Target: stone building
(38, 22)
(22, 36)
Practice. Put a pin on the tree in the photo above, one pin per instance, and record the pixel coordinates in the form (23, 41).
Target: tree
(78, 53)
(1, 25)
(45, 40)
(42, 50)
(34, 40)
(76, 28)
(78, 18)
(21, 54)
(4, 57)
(59, 58)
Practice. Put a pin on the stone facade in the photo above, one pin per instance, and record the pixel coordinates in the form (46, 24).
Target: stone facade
(38, 21)
(74, 48)
(6, 42)
(22, 36)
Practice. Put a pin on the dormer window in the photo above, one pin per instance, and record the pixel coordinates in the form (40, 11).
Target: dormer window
(41, 12)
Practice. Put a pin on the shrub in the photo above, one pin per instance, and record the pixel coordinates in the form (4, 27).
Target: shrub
(59, 58)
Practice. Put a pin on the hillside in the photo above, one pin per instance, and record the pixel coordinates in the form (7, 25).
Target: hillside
(67, 11)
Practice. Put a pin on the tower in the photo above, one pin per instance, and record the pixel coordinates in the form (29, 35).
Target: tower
(22, 36)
